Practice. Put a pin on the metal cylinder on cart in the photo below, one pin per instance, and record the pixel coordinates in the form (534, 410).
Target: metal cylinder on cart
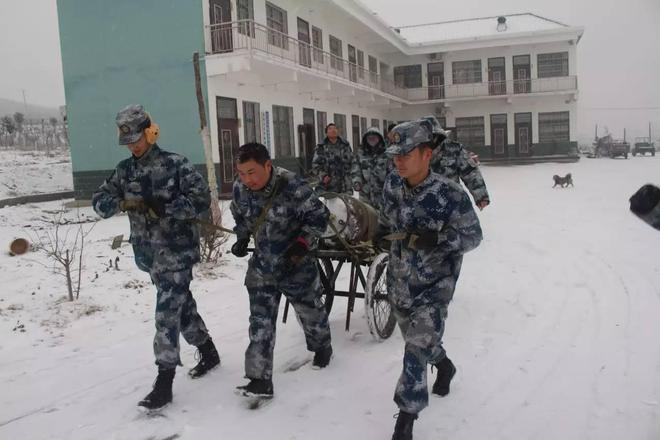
(351, 219)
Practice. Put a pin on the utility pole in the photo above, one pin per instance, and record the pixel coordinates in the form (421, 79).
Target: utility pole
(24, 102)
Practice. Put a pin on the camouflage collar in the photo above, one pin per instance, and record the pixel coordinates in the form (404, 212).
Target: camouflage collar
(419, 188)
(340, 141)
(270, 186)
(146, 157)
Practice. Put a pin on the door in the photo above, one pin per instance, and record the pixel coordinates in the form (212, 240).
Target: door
(496, 76)
(522, 72)
(308, 137)
(498, 134)
(221, 32)
(352, 63)
(523, 130)
(228, 142)
(304, 46)
(436, 75)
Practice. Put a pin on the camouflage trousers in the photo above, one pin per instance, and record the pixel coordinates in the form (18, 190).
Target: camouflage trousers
(264, 305)
(422, 329)
(176, 312)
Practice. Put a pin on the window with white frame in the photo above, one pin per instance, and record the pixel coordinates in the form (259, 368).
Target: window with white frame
(470, 131)
(251, 122)
(552, 64)
(360, 63)
(245, 11)
(466, 72)
(554, 127)
(276, 21)
(340, 122)
(283, 131)
(408, 77)
(317, 43)
(321, 122)
(336, 54)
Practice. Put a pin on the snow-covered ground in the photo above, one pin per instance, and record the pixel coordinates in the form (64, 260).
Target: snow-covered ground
(554, 329)
(24, 172)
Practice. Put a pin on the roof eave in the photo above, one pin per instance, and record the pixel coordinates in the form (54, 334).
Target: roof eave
(570, 33)
(378, 25)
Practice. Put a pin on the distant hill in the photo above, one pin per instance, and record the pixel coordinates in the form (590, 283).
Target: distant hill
(9, 107)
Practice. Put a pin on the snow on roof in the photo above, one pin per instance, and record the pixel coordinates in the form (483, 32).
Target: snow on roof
(476, 28)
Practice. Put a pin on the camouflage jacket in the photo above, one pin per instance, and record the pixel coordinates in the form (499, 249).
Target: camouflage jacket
(370, 168)
(334, 160)
(416, 277)
(295, 212)
(172, 241)
(452, 161)
(645, 204)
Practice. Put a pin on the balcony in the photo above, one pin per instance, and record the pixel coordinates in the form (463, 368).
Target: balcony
(259, 40)
(514, 87)
(248, 36)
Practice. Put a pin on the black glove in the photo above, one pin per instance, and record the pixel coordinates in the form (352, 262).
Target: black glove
(239, 248)
(156, 206)
(645, 199)
(424, 241)
(297, 251)
(136, 205)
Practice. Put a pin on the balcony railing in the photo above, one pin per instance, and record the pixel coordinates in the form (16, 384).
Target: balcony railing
(247, 34)
(493, 88)
(252, 36)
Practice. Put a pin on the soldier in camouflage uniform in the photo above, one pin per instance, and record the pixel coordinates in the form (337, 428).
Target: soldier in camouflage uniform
(285, 218)
(433, 225)
(370, 168)
(452, 161)
(333, 162)
(162, 194)
(645, 204)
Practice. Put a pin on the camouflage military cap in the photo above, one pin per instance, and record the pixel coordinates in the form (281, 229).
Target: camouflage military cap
(405, 137)
(431, 123)
(131, 121)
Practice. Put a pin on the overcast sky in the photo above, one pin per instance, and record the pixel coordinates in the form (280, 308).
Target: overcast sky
(618, 57)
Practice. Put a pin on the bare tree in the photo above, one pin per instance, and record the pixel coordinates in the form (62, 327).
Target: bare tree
(54, 141)
(65, 251)
(19, 119)
(8, 128)
(210, 243)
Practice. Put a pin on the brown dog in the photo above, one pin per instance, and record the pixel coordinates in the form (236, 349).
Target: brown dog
(563, 181)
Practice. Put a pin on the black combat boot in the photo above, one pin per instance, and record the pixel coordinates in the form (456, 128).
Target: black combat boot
(404, 426)
(161, 395)
(208, 359)
(446, 372)
(256, 388)
(322, 357)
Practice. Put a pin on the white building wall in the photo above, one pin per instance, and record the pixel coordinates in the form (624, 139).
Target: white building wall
(485, 108)
(284, 96)
(332, 21)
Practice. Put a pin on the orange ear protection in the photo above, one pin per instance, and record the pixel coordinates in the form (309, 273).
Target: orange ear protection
(151, 130)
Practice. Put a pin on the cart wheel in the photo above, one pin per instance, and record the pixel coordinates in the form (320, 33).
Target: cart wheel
(380, 318)
(329, 296)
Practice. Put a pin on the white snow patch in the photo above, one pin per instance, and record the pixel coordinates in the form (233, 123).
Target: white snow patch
(33, 172)
(553, 329)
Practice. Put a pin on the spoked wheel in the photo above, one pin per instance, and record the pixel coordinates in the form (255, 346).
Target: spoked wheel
(329, 295)
(380, 317)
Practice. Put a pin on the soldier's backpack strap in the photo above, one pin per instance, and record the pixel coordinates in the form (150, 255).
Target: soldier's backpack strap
(280, 182)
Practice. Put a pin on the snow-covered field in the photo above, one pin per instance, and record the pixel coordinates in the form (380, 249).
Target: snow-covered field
(32, 172)
(554, 329)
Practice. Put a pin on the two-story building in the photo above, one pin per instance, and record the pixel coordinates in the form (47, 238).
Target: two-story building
(278, 71)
